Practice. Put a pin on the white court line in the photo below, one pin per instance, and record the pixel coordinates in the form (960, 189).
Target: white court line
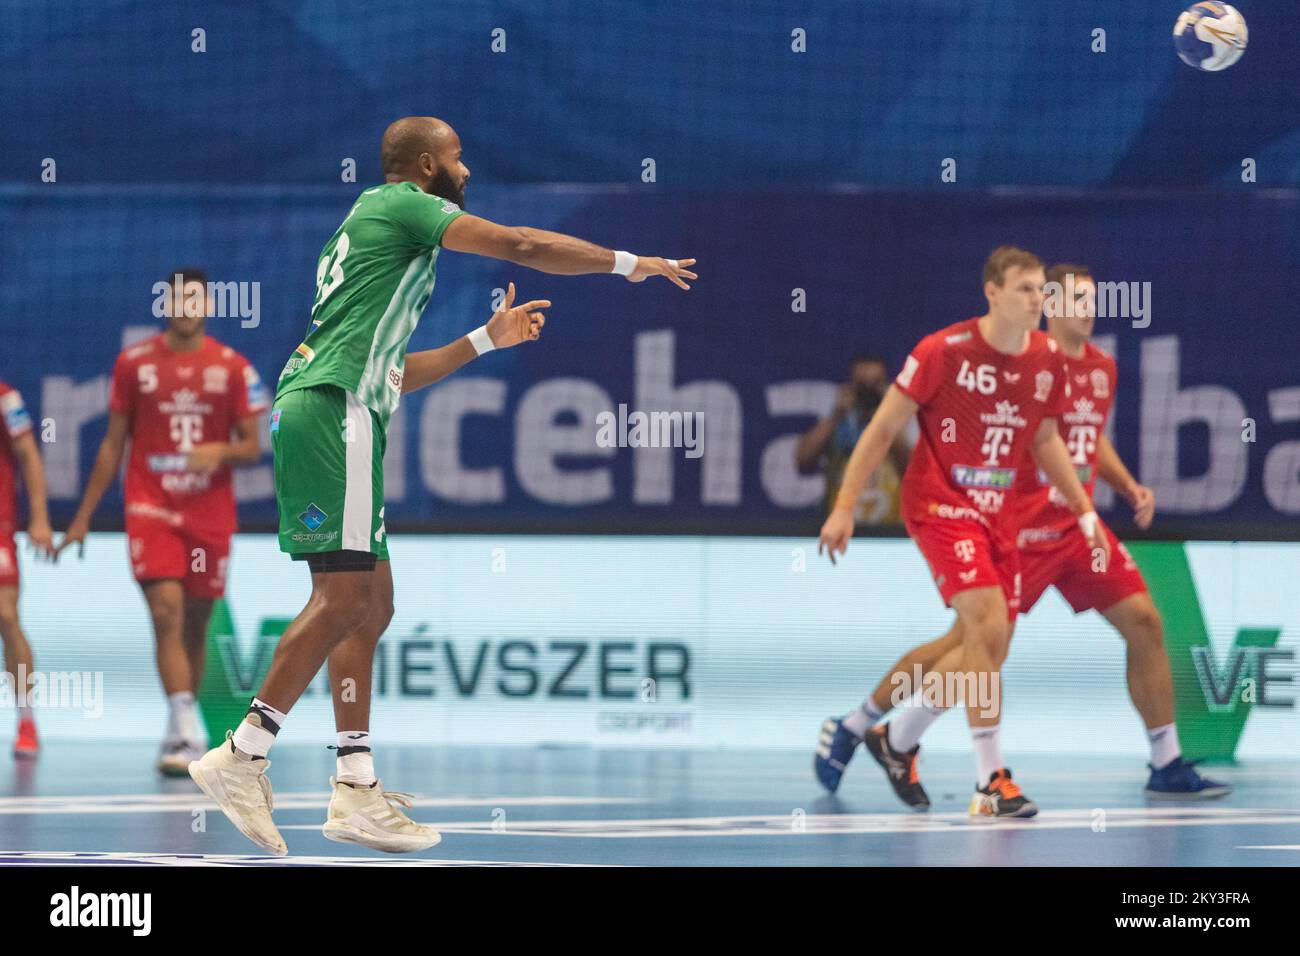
(1276, 846)
(860, 823)
(39, 857)
(186, 802)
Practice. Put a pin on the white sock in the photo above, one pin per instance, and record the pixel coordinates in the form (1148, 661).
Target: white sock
(911, 721)
(988, 751)
(866, 716)
(257, 732)
(1164, 745)
(183, 717)
(352, 766)
(25, 712)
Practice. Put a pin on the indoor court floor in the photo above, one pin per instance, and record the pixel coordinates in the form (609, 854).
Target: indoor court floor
(102, 804)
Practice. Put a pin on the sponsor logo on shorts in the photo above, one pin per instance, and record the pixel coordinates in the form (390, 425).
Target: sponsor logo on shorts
(313, 517)
(1030, 536)
(320, 537)
(965, 550)
(976, 476)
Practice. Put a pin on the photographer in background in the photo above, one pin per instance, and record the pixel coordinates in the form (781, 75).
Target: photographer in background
(828, 444)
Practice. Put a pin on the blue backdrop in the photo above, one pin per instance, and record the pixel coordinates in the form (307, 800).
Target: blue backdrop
(780, 171)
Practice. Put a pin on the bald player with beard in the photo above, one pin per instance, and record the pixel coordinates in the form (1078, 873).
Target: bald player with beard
(374, 277)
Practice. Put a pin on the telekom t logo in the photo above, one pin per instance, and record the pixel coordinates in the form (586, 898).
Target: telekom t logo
(186, 431)
(964, 549)
(1082, 442)
(997, 442)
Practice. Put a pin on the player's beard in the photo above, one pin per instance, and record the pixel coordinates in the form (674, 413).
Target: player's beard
(444, 186)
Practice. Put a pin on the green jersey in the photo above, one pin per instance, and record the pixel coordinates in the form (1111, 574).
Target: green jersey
(374, 278)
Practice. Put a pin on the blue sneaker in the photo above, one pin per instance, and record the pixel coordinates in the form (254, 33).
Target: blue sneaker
(835, 749)
(1179, 778)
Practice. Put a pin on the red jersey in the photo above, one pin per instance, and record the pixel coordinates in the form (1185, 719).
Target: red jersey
(1041, 513)
(175, 401)
(979, 411)
(16, 422)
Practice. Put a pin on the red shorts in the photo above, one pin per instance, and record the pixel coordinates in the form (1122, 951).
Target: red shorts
(8, 561)
(160, 549)
(1068, 564)
(964, 555)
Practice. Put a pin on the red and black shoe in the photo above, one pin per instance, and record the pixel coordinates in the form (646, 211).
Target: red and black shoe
(1001, 798)
(900, 768)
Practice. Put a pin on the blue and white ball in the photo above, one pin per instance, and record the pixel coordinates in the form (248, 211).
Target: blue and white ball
(1210, 36)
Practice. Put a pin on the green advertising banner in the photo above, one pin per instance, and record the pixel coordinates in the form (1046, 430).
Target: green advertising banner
(1212, 697)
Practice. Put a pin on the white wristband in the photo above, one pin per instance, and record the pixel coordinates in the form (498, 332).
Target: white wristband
(624, 263)
(481, 341)
(1088, 523)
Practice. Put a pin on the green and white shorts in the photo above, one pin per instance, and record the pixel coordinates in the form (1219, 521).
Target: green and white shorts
(329, 472)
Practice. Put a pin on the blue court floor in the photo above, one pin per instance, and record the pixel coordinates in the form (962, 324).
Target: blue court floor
(97, 804)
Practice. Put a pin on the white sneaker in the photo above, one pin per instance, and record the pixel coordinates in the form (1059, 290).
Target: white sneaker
(176, 756)
(242, 791)
(370, 816)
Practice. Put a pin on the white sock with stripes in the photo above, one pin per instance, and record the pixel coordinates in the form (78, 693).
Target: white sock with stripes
(988, 751)
(1164, 745)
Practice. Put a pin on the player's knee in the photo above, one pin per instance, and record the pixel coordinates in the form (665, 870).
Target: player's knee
(167, 616)
(381, 616)
(1145, 629)
(991, 633)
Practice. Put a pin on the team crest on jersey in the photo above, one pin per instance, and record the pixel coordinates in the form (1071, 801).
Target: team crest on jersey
(215, 378)
(1043, 385)
(1100, 383)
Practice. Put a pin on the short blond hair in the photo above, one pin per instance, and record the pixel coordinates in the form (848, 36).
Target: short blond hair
(1007, 257)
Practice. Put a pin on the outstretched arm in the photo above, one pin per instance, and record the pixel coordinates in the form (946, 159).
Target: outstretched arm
(1112, 471)
(555, 252)
(510, 325)
(895, 411)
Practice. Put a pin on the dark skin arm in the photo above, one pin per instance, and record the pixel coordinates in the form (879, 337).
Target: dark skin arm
(552, 252)
(509, 326)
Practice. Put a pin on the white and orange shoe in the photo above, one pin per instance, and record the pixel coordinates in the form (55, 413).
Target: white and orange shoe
(1001, 798)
